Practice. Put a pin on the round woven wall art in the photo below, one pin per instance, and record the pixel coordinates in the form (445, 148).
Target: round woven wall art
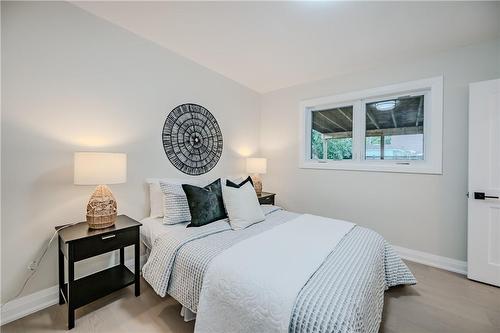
(192, 139)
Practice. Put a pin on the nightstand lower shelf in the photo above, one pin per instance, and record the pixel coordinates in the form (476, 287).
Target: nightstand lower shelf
(90, 288)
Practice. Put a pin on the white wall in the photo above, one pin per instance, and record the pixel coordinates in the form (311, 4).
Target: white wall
(73, 82)
(420, 212)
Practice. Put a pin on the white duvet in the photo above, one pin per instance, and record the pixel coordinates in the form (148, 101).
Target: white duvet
(252, 286)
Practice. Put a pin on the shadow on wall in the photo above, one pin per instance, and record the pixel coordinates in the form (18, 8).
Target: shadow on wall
(75, 123)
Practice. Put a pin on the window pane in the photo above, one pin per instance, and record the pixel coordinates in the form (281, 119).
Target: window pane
(331, 134)
(395, 129)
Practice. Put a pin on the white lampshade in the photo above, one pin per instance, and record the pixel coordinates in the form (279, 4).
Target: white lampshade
(100, 168)
(256, 165)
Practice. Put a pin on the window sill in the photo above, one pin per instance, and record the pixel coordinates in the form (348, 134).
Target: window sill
(416, 168)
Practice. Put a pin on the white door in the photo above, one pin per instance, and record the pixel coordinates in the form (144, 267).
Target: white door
(484, 182)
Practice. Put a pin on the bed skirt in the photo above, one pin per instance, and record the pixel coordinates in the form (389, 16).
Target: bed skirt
(187, 314)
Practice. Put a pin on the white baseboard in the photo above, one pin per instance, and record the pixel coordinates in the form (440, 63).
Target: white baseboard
(42, 299)
(26, 305)
(29, 304)
(449, 264)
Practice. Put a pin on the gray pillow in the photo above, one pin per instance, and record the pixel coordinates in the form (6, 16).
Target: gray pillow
(176, 204)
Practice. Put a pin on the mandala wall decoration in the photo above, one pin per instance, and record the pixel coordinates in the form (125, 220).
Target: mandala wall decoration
(192, 139)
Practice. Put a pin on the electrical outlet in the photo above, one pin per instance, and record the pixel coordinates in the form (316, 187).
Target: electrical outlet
(33, 266)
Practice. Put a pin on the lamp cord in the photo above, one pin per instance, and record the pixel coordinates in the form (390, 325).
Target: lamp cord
(33, 267)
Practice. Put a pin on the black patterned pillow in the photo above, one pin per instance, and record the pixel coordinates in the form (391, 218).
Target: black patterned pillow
(232, 184)
(205, 203)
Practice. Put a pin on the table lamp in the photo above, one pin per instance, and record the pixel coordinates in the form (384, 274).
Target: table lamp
(100, 169)
(256, 166)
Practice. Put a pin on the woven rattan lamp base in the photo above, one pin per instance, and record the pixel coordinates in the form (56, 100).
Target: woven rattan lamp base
(102, 208)
(257, 183)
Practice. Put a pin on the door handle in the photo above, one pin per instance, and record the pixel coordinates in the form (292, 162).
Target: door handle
(483, 196)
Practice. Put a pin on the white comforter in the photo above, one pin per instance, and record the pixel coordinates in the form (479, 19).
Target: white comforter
(253, 285)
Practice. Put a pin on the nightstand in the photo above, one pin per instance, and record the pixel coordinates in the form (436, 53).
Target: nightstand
(79, 242)
(266, 198)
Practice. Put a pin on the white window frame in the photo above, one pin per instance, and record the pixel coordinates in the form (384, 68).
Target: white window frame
(432, 88)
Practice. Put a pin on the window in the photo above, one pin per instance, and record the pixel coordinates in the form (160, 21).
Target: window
(331, 134)
(395, 128)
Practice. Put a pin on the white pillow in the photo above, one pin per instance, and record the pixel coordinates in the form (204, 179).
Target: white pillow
(156, 200)
(242, 205)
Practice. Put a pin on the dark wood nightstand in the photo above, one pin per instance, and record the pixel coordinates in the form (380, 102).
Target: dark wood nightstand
(78, 242)
(266, 198)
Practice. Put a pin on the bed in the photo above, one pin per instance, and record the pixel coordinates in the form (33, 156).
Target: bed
(344, 293)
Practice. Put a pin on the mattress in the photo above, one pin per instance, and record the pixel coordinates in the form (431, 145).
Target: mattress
(153, 227)
(344, 295)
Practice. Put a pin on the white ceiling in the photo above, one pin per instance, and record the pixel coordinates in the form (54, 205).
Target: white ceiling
(271, 45)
